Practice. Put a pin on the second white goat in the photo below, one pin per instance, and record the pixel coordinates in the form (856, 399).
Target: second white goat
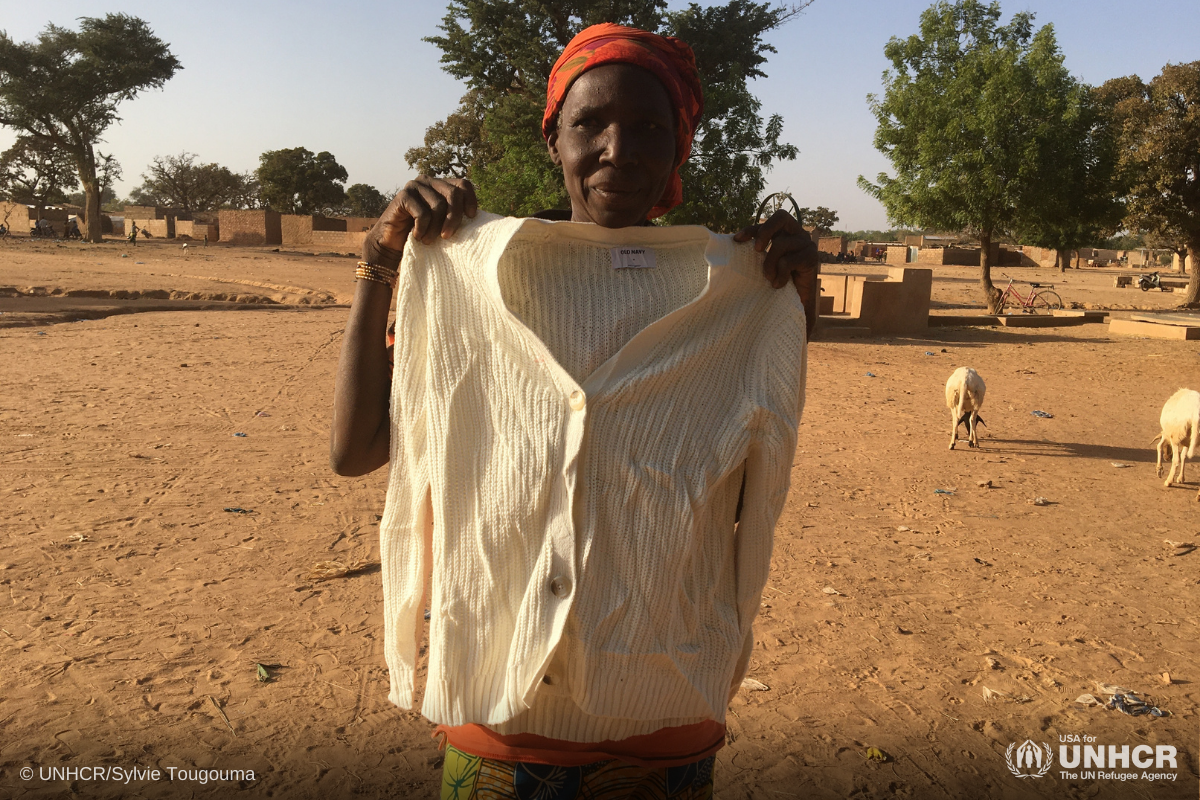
(1180, 425)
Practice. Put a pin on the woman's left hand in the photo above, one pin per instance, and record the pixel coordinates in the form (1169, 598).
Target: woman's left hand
(791, 254)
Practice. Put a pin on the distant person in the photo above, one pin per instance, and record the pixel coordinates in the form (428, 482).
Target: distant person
(73, 230)
(3, 231)
(133, 232)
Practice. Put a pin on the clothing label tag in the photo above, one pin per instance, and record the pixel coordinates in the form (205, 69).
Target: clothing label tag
(632, 258)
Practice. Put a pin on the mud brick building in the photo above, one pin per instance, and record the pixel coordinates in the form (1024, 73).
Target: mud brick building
(157, 228)
(194, 229)
(257, 227)
(834, 245)
(299, 228)
(359, 224)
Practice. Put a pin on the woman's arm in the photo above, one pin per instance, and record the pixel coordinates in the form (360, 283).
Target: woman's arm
(359, 439)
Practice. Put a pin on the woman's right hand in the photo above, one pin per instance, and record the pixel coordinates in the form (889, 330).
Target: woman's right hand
(434, 206)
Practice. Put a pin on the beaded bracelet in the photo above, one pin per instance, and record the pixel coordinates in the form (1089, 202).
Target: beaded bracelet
(376, 273)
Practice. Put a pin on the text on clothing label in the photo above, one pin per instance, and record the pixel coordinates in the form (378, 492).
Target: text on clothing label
(632, 258)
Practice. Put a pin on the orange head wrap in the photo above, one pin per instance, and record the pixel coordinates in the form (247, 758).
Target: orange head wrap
(668, 58)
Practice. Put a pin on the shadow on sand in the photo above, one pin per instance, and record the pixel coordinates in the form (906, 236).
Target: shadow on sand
(1036, 447)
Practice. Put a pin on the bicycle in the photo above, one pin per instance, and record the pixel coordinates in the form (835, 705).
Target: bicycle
(1038, 301)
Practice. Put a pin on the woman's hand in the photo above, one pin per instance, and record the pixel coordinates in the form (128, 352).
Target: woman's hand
(791, 255)
(434, 206)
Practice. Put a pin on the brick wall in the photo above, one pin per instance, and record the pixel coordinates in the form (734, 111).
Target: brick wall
(196, 230)
(359, 224)
(298, 228)
(256, 227)
(832, 244)
(320, 223)
(155, 212)
(15, 216)
(157, 228)
(295, 229)
(339, 241)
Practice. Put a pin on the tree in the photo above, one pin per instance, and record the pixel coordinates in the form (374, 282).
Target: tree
(180, 182)
(969, 108)
(36, 173)
(1078, 201)
(455, 144)
(1159, 126)
(296, 181)
(363, 200)
(820, 218)
(247, 194)
(505, 49)
(726, 174)
(63, 89)
(108, 172)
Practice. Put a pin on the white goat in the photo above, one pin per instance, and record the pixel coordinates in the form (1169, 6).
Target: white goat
(1180, 423)
(964, 398)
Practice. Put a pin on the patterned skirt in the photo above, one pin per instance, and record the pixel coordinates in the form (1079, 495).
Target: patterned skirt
(468, 777)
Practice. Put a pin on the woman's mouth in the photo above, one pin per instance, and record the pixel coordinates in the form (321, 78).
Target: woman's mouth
(614, 191)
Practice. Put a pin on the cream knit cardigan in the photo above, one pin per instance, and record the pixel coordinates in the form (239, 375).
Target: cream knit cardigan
(588, 580)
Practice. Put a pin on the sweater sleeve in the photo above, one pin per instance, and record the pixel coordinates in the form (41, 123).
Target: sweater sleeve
(772, 450)
(407, 516)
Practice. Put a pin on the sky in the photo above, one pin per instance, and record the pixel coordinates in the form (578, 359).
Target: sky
(356, 79)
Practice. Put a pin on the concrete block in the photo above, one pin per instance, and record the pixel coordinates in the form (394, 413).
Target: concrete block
(1185, 320)
(1038, 321)
(899, 304)
(946, 320)
(1089, 316)
(1154, 330)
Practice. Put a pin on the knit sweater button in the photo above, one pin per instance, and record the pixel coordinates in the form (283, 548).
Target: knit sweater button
(559, 587)
(578, 400)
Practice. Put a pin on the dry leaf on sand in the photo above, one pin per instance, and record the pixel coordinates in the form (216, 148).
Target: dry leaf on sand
(328, 570)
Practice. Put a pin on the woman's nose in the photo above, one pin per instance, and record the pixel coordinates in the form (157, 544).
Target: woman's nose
(620, 147)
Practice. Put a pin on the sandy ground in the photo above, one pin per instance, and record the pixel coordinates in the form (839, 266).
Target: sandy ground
(139, 606)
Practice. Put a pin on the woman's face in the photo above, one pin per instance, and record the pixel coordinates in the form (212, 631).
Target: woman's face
(615, 142)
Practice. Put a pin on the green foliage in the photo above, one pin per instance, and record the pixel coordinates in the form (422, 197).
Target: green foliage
(504, 50)
(36, 173)
(1159, 124)
(297, 181)
(455, 144)
(820, 218)
(509, 46)
(520, 179)
(969, 116)
(1077, 202)
(1125, 241)
(180, 182)
(110, 202)
(733, 149)
(63, 90)
(363, 200)
(894, 235)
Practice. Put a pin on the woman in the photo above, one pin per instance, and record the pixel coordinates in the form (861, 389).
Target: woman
(622, 107)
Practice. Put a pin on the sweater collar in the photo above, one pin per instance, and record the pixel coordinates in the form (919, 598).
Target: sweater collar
(718, 252)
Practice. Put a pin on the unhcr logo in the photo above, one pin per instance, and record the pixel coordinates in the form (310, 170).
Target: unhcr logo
(1029, 760)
